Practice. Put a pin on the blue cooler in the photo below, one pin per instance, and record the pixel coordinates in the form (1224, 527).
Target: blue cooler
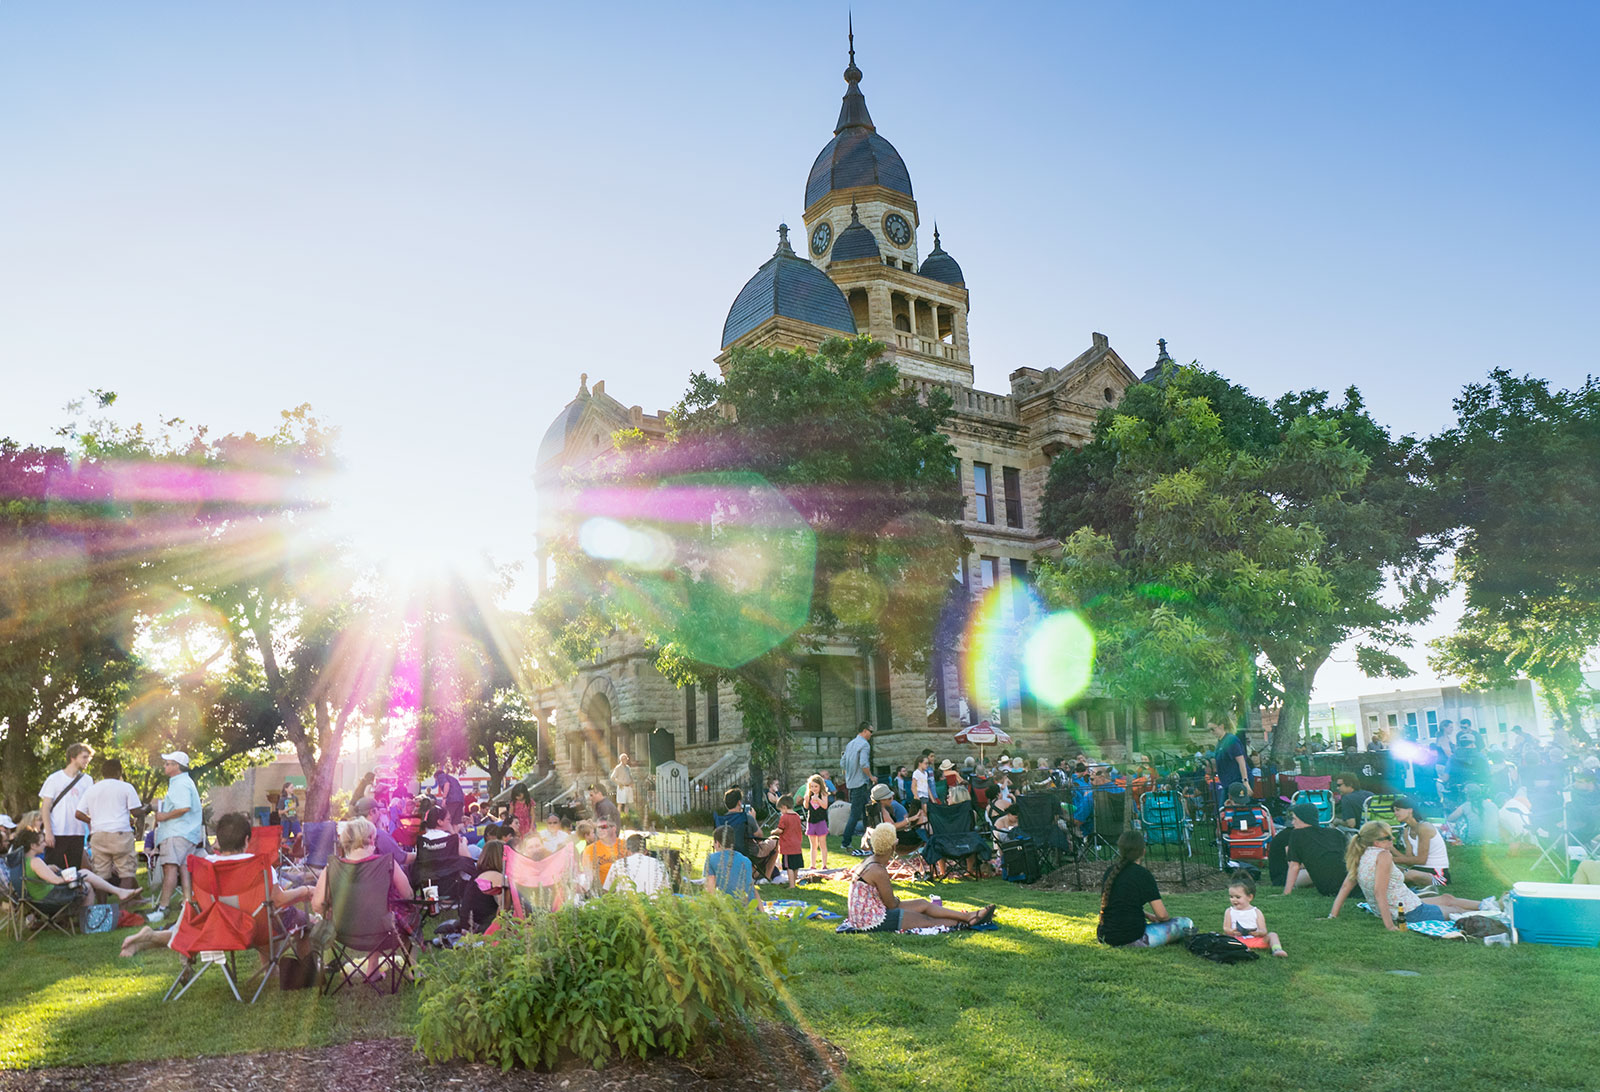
(1556, 913)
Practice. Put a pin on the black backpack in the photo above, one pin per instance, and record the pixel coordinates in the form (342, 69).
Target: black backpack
(1221, 948)
(1019, 861)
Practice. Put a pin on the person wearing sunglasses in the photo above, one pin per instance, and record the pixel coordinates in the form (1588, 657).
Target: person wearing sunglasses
(1369, 862)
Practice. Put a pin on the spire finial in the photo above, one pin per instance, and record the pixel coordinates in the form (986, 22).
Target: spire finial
(851, 23)
(583, 382)
(936, 235)
(855, 216)
(1162, 357)
(853, 114)
(783, 241)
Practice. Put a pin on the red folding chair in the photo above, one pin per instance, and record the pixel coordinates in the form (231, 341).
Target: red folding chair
(229, 911)
(267, 843)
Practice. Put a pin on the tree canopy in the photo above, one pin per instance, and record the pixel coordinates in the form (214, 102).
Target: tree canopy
(799, 499)
(1518, 478)
(1222, 547)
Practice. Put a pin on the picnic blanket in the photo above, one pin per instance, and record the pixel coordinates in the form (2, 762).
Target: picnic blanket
(932, 930)
(1439, 930)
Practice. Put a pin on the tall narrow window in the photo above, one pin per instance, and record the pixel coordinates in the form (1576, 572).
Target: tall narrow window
(1021, 601)
(811, 697)
(690, 725)
(1433, 723)
(983, 489)
(988, 571)
(713, 714)
(883, 713)
(1012, 479)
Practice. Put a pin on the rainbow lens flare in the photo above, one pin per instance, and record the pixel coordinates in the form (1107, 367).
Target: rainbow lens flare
(1058, 658)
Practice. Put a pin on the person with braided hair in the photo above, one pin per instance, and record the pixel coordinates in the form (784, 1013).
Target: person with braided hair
(1126, 890)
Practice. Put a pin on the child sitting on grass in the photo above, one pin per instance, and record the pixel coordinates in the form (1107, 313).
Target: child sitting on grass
(1241, 919)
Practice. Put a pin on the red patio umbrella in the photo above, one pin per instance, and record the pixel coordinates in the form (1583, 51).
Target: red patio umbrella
(983, 734)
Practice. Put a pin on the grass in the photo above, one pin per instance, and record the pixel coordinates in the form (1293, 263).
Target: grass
(1037, 1004)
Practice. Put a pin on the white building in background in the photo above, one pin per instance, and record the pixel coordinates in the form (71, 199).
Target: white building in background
(1333, 720)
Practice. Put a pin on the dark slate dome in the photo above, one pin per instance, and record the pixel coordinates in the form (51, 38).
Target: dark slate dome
(857, 155)
(939, 266)
(555, 437)
(790, 286)
(856, 241)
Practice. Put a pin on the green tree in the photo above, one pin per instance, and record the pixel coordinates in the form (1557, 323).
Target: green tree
(1518, 478)
(799, 499)
(1206, 529)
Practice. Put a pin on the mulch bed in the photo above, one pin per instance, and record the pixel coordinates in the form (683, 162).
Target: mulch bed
(779, 1059)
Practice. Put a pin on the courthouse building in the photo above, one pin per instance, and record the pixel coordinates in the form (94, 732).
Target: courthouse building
(859, 265)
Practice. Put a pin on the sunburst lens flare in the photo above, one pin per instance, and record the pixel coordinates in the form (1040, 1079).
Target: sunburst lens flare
(638, 547)
(1058, 658)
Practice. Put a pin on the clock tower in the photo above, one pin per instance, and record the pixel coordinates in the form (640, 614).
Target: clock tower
(862, 229)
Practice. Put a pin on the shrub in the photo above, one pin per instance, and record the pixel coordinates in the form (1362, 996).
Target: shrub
(622, 975)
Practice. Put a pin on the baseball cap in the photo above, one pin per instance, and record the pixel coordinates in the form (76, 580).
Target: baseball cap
(180, 757)
(1306, 812)
(7, 822)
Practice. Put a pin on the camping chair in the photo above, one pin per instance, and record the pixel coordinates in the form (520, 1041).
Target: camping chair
(1322, 798)
(1110, 818)
(267, 842)
(1244, 833)
(437, 864)
(229, 911)
(1039, 817)
(1165, 820)
(952, 834)
(11, 893)
(1308, 783)
(62, 910)
(367, 946)
(319, 840)
(545, 884)
(1381, 806)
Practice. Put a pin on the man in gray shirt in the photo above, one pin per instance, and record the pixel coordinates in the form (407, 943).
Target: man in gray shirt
(857, 776)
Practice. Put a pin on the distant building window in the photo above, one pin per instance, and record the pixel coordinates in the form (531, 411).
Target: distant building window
(1433, 722)
(1111, 395)
(1012, 479)
(690, 726)
(983, 489)
(988, 571)
(1021, 602)
(1394, 720)
(713, 713)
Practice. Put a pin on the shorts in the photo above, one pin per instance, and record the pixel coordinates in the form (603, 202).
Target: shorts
(1426, 912)
(817, 830)
(794, 861)
(624, 797)
(889, 924)
(66, 853)
(175, 851)
(113, 855)
(1254, 941)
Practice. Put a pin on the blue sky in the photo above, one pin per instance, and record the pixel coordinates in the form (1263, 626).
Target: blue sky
(427, 219)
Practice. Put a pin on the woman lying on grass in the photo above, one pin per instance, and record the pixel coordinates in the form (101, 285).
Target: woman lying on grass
(1126, 890)
(873, 906)
(1369, 862)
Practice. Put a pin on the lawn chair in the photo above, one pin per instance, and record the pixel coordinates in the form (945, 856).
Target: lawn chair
(437, 864)
(1165, 821)
(1244, 833)
(1110, 818)
(1380, 806)
(229, 911)
(367, 946)
(1039, 816)
(545, 884)
(266, 842)
(11, 894)
(1321, 798)
(319, 840)
(953, 834)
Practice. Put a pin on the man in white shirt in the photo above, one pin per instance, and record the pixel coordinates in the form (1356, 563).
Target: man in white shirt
(108, 809)
(636, 870)
(63, 792)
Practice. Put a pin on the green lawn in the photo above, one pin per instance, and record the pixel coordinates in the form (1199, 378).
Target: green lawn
(1036, 1004)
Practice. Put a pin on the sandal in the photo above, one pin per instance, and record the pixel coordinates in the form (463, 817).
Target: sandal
(985, 916)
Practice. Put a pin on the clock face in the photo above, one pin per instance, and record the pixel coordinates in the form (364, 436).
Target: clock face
(897, 229)
(820, 238)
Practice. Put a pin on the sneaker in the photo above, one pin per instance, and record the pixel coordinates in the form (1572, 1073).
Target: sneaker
(155, 917)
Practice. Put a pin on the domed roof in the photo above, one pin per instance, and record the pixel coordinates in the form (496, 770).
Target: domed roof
(939, 266)
(857, 155)
(790, 286)
(555, 437)
(856, 241)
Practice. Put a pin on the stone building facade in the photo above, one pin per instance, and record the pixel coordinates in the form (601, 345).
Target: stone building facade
(862, 272)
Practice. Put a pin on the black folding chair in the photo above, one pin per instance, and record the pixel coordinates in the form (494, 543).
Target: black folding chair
(952, 834)
(437, 864)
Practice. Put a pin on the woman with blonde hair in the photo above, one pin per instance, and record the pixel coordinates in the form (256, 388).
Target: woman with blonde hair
(357, 843)
(1369, 863)
(873, 907)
